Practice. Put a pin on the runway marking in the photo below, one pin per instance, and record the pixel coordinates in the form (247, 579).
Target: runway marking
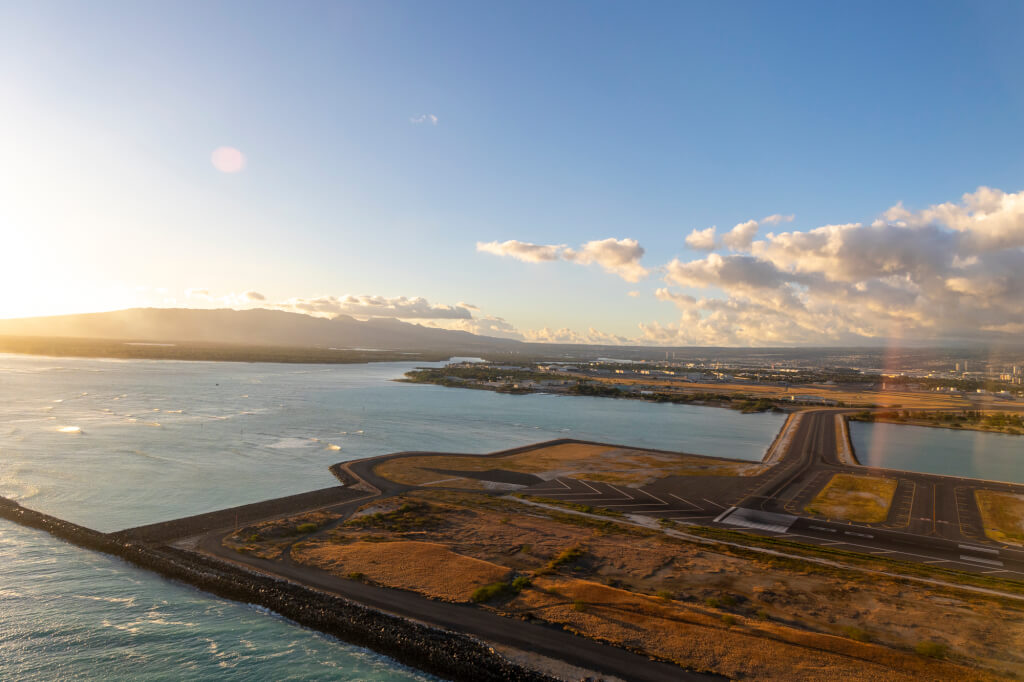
(712, 502)
(724, 514)
(859, 535)
(931, 558)
(827, 530)
(973, 548)
(989, 562)
(998, 570)
(684, 501)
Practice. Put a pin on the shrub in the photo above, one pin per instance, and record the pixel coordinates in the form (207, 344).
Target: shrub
(565, 557)
(729, 619)
(857, 634)
(306, 527)
(931, 649)
(489, 592)
(664, 595)
(356, 575)
(520, 583)
(579, 605)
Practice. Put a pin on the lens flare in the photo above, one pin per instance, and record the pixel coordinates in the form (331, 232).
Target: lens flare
(227, 159)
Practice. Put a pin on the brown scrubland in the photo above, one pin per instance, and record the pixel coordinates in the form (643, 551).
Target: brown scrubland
(707, 607)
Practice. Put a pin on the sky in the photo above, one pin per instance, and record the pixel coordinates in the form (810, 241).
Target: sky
(658, 172)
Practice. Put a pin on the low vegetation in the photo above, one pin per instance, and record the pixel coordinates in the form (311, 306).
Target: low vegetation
(977, 420)
(864, 499)
(1002, 515)
(725, 609)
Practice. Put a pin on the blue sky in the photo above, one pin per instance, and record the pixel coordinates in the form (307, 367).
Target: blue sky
(556, 124)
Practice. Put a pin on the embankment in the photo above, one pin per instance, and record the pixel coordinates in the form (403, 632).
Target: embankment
(430, 649)
(165, 531)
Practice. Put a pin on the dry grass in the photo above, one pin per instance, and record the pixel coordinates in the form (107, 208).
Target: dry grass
(707, 608)
(594, 462)
(865, 499)
(728, 644)
(425, 567)
(1002, 514)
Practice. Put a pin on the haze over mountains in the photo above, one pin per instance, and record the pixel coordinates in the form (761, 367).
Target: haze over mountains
(252, 327)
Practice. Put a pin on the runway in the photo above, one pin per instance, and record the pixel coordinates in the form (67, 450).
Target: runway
(933, 520)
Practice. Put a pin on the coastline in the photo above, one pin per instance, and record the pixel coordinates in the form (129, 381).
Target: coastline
(433, 650)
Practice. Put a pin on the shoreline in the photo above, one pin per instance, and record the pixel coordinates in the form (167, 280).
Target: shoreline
(912, 422)
(427, 648)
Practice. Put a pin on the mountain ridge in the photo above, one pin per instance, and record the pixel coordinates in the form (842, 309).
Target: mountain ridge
(255, 327)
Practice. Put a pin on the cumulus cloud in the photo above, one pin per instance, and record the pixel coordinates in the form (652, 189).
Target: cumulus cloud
(776, 218)
(740, 237)
(524, 251)
(486, 325)
(424, 118)
(617, 256)
(566, 335)
(376, 306)
(701, 240)
(953, 271)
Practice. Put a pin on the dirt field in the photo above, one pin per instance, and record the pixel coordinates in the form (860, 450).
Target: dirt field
(864, 499)
(711, 609)
(595, 462)
(1002, 515)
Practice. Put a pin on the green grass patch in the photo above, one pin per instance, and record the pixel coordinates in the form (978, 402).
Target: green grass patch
(501, 590)
(1002, 515)
(932, 649)
(864, 499)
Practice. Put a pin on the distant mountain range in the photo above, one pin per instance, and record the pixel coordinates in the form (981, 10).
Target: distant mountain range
(258, 327)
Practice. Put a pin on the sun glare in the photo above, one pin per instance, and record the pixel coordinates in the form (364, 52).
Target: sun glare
(227, 159)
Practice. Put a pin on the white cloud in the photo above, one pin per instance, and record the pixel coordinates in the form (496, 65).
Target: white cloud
(524, 251)
(375, 306)
(633, 294)
(776, 218)
(701, 240)
(740, 237)
(486, 325)
(954, 271)
(617, 256)
(566, 335)
(424, 118)
(254, 296)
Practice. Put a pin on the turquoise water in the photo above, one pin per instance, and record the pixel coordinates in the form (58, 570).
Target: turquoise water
(930, 450)
(112, 444)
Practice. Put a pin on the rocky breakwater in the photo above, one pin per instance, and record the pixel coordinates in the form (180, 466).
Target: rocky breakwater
(433, 650)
